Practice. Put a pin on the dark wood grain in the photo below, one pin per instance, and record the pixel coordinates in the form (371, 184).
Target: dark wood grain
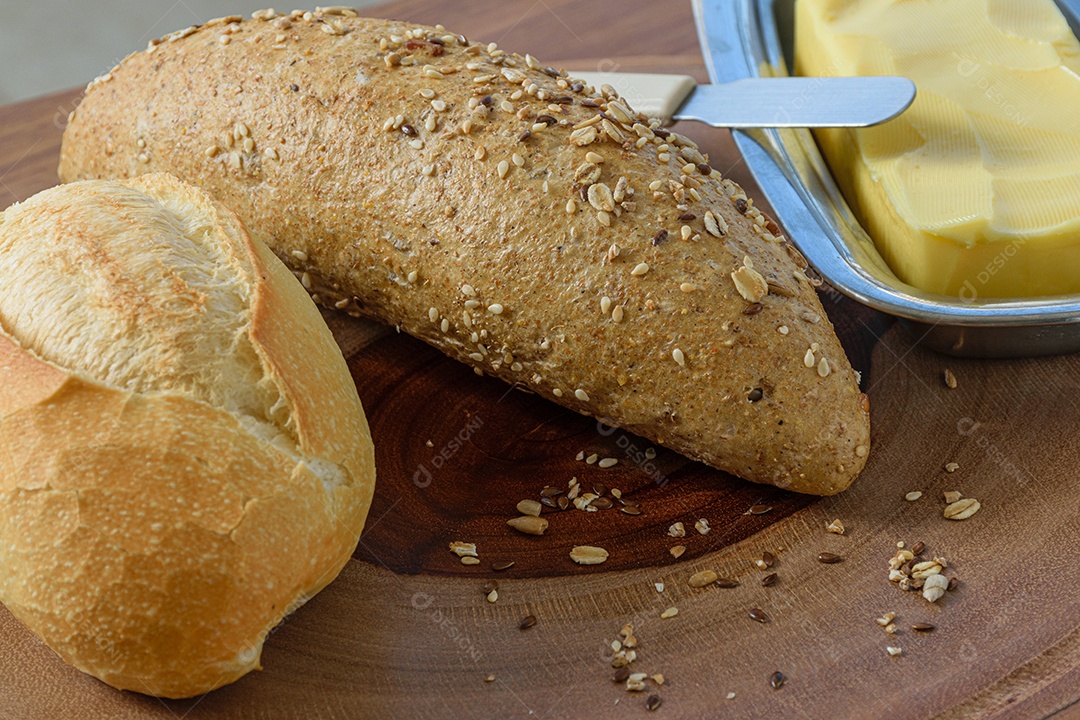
(493, 445)
(406, 632)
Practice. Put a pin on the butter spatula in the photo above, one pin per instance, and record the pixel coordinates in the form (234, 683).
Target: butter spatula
(763, 102)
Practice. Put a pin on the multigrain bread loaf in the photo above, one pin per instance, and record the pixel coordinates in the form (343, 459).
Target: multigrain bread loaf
(523, 224)
(183, 458)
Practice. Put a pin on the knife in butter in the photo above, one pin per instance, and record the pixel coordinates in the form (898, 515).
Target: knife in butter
(762, 102)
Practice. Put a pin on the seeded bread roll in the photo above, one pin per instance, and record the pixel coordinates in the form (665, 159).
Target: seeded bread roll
(183, 458)
(521, 223)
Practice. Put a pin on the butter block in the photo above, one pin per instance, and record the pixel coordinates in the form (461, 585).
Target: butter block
(975, 190)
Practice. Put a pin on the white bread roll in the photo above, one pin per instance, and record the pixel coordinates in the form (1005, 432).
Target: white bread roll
(183, 457)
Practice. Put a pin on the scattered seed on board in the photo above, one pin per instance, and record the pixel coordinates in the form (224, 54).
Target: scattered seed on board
(913, 496)
(951, 467)
(607, 462)
(677, 551)
(529, 524)
(893, 651)
(527, 622)
(759, 615)
(727, 583)
(669, 613)
(950, 379)
(922, 627)
(777, 680)
(703, 578)
(952, 496)
(470, 560)
(588, 555)
(829, 558)
(768, 579)
(836, 527)
(502, 565)
(918, 547)
(529, 507)
(493, 596)
(653, 702)
(759, 509)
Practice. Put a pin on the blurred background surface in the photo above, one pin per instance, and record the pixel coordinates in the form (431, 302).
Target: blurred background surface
(50, 45)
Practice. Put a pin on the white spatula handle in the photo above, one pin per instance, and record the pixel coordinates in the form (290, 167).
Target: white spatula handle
(655, 95)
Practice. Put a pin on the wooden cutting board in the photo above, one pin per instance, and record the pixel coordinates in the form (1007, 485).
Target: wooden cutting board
(406, 630)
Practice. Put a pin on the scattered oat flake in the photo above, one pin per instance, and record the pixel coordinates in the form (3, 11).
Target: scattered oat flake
(659, 587)
(835, 527)
(934, 587)
(669, 613)
(950, 379)
(886, 619)
(678, 550)
(893, 651)
(677, 530)
(702, 526)
(913, 496)
(952, 496)
(730, 696)
(489, 678)
(962, 509)
(462, 549)
(952, 467)
(470, 560)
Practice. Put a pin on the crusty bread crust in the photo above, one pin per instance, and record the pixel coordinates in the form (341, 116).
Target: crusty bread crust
(521, 223)
(153, 537)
